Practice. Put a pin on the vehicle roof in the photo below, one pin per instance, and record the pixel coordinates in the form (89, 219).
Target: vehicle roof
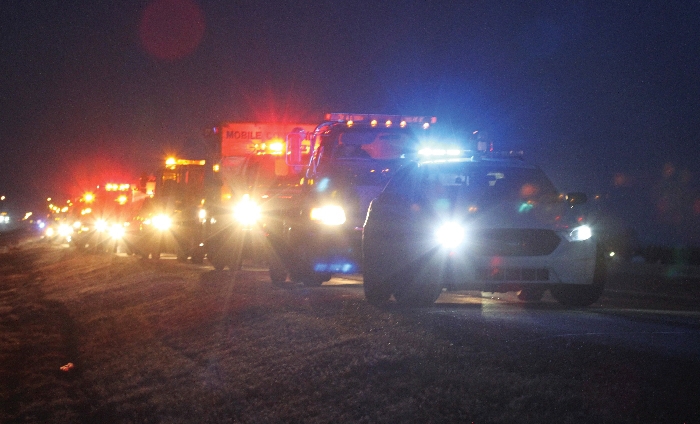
(328, 125)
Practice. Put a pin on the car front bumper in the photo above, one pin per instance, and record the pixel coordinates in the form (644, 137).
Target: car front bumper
(569, 263)
(335, 250)
(472, 268)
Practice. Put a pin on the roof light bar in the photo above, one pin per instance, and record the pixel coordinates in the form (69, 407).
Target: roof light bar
(373, 119)
(441, 152)
(174, 161)
(116, 187)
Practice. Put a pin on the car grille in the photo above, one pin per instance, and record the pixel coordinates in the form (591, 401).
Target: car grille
(515, 242)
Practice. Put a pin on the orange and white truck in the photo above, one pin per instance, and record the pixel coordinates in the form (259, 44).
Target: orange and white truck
(252, 182)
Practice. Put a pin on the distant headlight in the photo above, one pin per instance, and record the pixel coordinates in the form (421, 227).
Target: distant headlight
(65, 230)
(581, 233)
(101, 225)
(247, 212)
(202, 214)
(116, 231)
(329, 215)
(161, 222)
(450, 235)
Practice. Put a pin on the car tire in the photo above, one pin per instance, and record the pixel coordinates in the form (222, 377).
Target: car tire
(218, 261)
(583, 295)
(278, 275)
(278, 272)
(531, 294)
(377, 283)
(417, 294)
(181, 256)
(198, 258)
(314, 279)
(420, 285)
(220, 255)
(377, 291)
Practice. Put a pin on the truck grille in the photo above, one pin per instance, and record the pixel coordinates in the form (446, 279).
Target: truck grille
(515, 242)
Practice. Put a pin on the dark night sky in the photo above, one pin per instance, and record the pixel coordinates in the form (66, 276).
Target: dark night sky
(604, 96)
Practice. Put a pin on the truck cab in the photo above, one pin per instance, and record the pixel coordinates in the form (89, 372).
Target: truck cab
(172, 221)
(101, 219)
(254, 189)
(351, 158)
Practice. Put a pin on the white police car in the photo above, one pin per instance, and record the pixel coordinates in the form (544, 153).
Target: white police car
(485, 222)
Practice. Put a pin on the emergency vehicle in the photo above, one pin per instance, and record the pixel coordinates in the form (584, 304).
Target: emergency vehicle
(102, 218)
(172, 219)
(346, 163)
(479, 221)
(253, 181)
(58, 227)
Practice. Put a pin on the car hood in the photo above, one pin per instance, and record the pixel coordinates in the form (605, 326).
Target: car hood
(544, 214)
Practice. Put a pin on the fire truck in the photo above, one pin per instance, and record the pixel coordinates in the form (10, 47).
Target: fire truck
(173, 219)
(101, 219)
(254, 183)
(345, 162)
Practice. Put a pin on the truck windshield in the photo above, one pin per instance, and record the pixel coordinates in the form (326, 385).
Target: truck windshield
(268, 171)
(372, 143)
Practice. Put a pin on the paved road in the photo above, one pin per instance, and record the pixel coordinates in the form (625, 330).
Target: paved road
(667, 324)
(669, 331)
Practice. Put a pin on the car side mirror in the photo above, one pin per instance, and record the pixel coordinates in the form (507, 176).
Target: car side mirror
(576, 198)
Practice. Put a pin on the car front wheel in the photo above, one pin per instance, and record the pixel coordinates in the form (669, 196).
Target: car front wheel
(377, 292)
(312, 279)
(418, 294)
(420, 286)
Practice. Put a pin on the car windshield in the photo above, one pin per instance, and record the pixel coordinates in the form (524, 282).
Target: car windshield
(468, 181)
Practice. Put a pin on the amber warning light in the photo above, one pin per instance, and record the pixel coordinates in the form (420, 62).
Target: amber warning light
(387, 120)
(174, 162)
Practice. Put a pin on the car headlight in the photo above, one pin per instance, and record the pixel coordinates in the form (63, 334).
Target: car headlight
(161, 222)
(450, 234)
(116, 231)
(247, 212)
(329, 215)
(202, 215)
(579, 233)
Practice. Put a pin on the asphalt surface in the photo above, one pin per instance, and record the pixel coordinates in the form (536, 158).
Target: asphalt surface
(645, 307)
(662, 322)
(649, 313)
